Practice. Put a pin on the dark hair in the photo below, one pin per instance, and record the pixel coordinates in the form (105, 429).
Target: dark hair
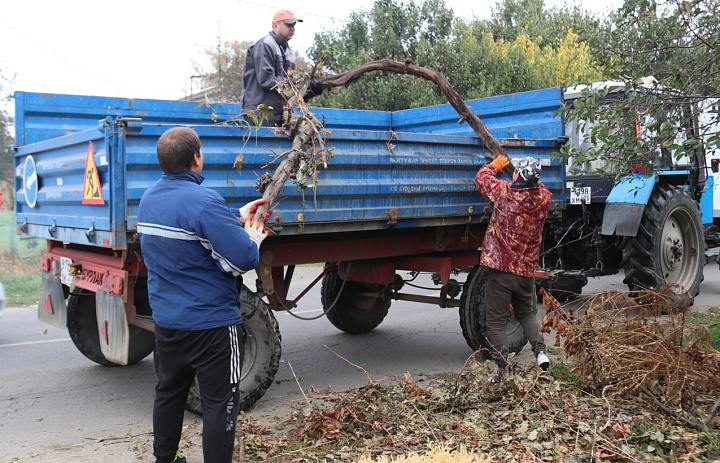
(176, 149)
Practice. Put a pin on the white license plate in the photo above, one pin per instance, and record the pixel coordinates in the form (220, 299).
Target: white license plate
(580, 195)
(65, 277)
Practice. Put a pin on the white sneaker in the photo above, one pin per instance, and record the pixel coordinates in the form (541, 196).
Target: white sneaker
(543, 361)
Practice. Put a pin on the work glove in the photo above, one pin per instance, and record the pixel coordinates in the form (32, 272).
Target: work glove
(247, 212)
(500, 163)
(314, 89)
(256, 231)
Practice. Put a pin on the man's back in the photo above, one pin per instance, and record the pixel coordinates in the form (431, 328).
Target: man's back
(194, 250)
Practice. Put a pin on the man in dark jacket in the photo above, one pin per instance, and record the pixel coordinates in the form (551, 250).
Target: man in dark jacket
(195, 250)
(511, 250)
(266, 64)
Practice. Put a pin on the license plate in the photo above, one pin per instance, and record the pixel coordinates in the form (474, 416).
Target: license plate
(65, 277)
(580, 195)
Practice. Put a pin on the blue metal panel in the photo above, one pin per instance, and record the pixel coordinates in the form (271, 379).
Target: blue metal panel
(706, 201)
(520, 115)
(59, 212)
(635, 189)
(426, 177)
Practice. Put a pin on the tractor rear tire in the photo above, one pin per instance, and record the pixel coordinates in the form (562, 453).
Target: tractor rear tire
(669, 246)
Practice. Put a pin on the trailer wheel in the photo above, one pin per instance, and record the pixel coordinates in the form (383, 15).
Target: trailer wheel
(669, 246)
(360, 308)
(83, 330)
(472, 315)
(263, 348)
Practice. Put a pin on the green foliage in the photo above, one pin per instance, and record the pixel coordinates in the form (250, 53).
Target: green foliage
(22, 289)
(480, 59)
(677, 44)
(512, 18)
(21, 279)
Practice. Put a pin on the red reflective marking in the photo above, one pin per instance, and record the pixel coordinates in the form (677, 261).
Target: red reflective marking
(104, 331)
(48, 305)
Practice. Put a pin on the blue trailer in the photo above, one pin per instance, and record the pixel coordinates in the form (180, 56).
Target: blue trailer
(398, 195)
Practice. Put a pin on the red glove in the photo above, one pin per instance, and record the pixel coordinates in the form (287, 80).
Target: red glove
(500, 163)
(247, 212)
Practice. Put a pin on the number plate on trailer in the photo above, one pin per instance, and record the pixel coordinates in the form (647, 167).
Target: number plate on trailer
(65, 277)
(580, 195)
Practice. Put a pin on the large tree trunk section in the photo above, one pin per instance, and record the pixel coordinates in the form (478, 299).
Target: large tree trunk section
(438, 78)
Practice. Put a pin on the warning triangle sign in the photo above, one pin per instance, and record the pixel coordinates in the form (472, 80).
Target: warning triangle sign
(92, 190)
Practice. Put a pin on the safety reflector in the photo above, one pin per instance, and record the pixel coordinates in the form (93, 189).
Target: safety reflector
(104, 331)
(48, 305)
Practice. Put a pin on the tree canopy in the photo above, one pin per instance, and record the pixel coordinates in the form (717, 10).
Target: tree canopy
(506, 53)
(480, 58)
(664, 54)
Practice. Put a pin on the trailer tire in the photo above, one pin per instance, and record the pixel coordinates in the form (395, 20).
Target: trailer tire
(354, 312)
(263, 348)
(83, 330)
(669, 246)
(472, 315)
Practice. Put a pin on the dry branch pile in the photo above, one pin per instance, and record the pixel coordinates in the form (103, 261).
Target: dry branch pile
(641, 388)
(626, 345)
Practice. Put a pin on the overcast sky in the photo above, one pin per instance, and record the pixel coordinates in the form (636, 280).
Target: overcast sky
(146, 49)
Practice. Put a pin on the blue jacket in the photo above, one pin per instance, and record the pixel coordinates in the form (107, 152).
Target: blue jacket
(195, 250)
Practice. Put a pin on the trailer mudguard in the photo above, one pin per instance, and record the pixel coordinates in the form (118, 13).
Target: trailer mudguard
(113, 327)
(625, 205)
(51, 307)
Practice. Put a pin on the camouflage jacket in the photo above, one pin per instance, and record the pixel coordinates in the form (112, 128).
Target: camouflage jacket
(512, 240)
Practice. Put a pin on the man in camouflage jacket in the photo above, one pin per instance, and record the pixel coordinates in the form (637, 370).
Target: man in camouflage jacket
(511, 250)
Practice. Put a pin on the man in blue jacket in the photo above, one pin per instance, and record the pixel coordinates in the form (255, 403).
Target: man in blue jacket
(195, 250)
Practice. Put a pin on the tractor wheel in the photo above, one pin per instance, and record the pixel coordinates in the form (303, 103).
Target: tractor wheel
(669, 246)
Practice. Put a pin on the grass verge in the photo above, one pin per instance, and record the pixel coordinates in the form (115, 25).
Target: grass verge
(21, 279)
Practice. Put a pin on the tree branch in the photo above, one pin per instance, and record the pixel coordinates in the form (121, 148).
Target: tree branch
(438, 78)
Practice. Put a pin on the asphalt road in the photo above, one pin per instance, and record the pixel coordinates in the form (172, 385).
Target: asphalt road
(52, 397)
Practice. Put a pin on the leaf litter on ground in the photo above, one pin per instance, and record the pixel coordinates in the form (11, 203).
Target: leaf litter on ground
(635, 384)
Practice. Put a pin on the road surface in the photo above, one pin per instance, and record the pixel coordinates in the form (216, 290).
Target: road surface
(55, 405)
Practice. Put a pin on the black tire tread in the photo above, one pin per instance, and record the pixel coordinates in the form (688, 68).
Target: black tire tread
(472, 314)
(344, 316)
(82, 326)
(254, 383)
(640, 258)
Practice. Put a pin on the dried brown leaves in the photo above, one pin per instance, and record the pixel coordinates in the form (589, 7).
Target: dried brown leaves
(531, 416)
(625, 344)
